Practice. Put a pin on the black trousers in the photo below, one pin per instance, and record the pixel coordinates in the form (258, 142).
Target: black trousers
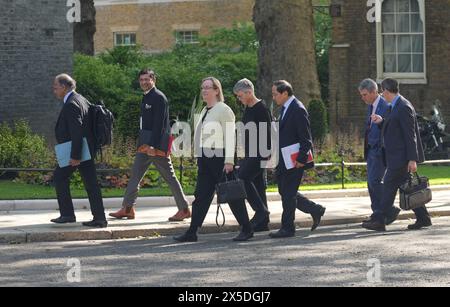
(288, 184)
(393, 179)
(252, 174)
(88, 173)
(210, 173)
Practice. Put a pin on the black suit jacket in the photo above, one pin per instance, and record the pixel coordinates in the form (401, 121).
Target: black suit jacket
(155, 115)
(73, 124)
(401, 136)
(295, 128)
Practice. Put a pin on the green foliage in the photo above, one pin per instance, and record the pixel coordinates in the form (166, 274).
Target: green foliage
(323, 26)
(228, 54)
(319, 122)
(20, 148)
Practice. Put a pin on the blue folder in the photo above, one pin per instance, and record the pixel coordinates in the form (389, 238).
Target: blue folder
(63, 153)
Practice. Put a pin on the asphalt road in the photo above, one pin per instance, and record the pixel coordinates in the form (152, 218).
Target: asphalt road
(333, 256)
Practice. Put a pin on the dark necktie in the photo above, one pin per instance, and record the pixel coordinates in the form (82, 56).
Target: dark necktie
(283, 108)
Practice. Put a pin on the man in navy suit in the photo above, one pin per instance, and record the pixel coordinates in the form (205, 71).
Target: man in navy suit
(402, 150)
(73, 125)
(376, 169)
(294, 129)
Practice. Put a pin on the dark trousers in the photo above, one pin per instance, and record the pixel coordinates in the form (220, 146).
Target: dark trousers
(393, 179)
(210, 172)
(252, 174)
(375, 174)
(88, 173)
(288, 184)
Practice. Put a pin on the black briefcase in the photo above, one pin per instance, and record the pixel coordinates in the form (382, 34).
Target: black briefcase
(230, 190)
(415, 192)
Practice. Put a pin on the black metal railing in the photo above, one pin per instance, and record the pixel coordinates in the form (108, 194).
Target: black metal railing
(182, 168)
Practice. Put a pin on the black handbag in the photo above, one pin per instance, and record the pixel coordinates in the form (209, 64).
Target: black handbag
(415, 192)
(230, 190)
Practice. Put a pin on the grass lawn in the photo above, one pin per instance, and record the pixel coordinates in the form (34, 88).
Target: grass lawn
(10, 190)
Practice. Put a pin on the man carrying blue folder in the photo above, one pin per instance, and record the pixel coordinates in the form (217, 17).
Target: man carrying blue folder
(73, 134)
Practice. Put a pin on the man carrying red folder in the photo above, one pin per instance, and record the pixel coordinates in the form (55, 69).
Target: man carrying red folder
(295, 141)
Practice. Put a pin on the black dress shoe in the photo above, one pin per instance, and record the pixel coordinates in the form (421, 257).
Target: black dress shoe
(187, 237)
(420, 224)
(393, 215)
(374, 225)
(64, 220)
(282, 234)
(261, 227)
(96, 224)
(317, 218)
(260, 224)
(243, 236)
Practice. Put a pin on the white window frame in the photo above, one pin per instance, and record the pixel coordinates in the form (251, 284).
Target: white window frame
(183, 41)
(124, 33)
(405, 78)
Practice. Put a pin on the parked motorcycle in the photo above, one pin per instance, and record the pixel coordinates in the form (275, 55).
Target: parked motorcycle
(435, 140)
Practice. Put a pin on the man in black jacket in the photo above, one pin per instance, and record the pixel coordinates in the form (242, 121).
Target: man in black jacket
(73, 125)
(294, 129)
(155, 121)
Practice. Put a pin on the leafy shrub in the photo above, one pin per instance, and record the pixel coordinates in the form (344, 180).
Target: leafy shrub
(319, 120)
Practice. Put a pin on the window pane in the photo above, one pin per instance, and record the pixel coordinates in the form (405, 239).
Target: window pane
(402, 23)
(133, 39)
(388, 6)
(414, 6)
(418, 63)
(404, 43)
(404, 63)
(388, 23)
(118, 39)
(390, 63)
(403, 6)
(127, 40)
(389, 43)
(417, 43)
(416, 23)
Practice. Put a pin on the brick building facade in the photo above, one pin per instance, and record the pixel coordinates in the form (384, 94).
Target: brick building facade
(411, 44)
(158, 24)
(36, 43)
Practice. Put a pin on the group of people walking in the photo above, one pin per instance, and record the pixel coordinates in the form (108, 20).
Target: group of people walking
(391, 141)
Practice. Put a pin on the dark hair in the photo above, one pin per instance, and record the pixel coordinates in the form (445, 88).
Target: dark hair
(283, 86)
(147, 71)
(390, 85)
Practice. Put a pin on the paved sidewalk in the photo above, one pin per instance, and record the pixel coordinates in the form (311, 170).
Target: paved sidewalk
(26, 225)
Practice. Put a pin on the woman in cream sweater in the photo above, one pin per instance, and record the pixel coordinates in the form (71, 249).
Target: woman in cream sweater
(214, 144)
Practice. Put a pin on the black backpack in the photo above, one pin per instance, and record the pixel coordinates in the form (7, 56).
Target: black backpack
(102, 122)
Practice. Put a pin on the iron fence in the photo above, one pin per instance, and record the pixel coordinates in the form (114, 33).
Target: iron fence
(182, 168)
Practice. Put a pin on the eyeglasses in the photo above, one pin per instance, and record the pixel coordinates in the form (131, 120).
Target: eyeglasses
(207, 88)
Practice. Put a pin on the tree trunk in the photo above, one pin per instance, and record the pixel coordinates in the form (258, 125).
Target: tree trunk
(83, 32)
(285, 30)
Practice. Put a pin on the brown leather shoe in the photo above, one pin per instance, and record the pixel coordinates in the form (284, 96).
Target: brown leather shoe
(127, 212)
(181, 215)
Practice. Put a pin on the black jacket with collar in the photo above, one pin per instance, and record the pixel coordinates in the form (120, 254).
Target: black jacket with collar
(401, 136)
(73, 124)
(295, 128)
(155, 115)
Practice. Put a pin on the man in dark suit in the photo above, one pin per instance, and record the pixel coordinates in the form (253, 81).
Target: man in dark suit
(294, 129)
(402, 149)
(368, 90)
(73, 125)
